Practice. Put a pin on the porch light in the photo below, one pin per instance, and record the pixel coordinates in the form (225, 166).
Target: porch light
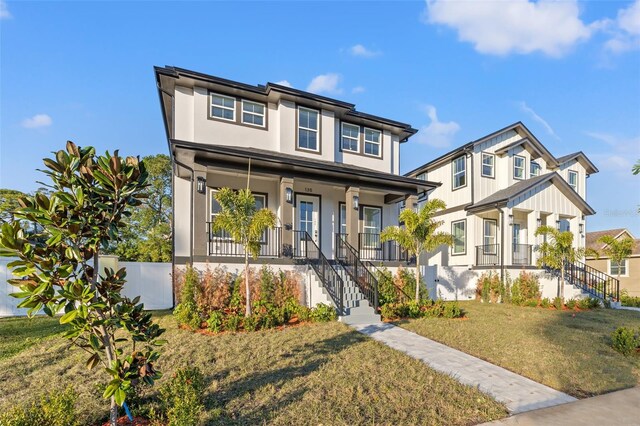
(558, 224)
(539, 222)
(288, 194)
(356, 202)
(201, 185)
(581, 227)
(510, 219)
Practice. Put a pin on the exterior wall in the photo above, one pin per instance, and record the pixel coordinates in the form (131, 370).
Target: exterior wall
(503, 169)
(575, 165)
(182, 216)
(630, 282)
(444, 174)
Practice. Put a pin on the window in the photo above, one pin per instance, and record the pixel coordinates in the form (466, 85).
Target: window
(372, 142)
(215, 209)
(371, 220)
(489, 235)
(223, 107)
(488, 165)
(350, 135)
(518, 167)
(458, 230)
(308, 129)
(616, 268)
(535, 169)
(342, 219)
(422, 176)
(573, 180)
(459, 172)
(253, 113)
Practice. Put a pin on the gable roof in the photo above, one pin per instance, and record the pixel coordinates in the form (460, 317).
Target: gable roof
(503, 196)
(591, 239)
(582, 158)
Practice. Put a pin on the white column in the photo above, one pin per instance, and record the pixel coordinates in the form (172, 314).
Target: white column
(532, 225)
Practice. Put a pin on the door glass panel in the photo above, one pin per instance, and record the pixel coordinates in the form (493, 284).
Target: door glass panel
(372, 220)
(489, 235)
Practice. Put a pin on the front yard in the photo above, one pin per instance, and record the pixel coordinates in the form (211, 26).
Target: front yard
(311, 374)
(566, 350)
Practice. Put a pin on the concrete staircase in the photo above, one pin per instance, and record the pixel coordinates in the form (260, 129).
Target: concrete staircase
(356, 306)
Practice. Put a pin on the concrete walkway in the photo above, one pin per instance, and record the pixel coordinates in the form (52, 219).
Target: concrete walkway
(629, 308)
(517, 393)
(616, 408)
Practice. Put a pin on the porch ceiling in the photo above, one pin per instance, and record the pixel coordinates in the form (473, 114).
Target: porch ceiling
(268, 162)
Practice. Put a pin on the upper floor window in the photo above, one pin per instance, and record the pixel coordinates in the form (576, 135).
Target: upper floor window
(308, 125)
(535, 169)
(350, 137)
(422, 176)
(518, 167)
(459, 166)
(223, 107)
(372, 142)
(488, 161)
(459, 232)
(253, 113)
(616, 268)
(573, 180)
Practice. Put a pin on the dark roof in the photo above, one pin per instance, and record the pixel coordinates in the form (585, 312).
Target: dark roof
(591, 239)
(504, 195)
(581, 155)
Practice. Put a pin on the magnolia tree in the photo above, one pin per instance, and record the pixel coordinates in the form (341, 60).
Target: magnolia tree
(557, 250)
(419, 233)
(57, 267)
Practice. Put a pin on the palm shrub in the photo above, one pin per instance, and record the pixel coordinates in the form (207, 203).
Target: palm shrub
(58, 264)
(419, 234)
(617, 250)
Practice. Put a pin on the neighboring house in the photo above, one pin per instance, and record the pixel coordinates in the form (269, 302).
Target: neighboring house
(629, 269)
(498, 190)
(323, 167)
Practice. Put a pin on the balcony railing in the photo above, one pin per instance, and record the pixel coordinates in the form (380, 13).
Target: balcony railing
(370, 247)
(488, 255)
(221, 243)
(521, 254)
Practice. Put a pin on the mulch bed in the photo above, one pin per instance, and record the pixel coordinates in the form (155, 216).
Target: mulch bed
(124, 421)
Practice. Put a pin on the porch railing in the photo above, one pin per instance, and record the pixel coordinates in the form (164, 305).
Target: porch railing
(370, 247)
(305, 248)
(521, 254)
(354, 266)
(488, 255)
(221, 243)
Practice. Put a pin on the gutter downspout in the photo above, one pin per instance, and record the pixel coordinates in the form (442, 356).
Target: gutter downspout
(173, 262)
(501, 245)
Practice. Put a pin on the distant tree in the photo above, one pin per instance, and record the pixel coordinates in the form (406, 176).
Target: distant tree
(617, 250)
(419, 233)
(636, 168)
(8, 204)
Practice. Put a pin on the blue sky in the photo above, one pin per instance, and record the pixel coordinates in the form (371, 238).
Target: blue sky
(455, 70)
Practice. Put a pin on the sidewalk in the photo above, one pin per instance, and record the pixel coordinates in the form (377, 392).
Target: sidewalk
(615, 408)
(517, 393)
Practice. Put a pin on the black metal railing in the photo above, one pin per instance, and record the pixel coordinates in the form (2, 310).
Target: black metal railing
(488, 255)
(592, 281)
(305, 247)
(353, 265)
(521, 254)
(221, 243)
(371, 247)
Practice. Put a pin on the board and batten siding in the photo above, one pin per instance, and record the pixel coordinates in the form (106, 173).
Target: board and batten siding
(546, 198)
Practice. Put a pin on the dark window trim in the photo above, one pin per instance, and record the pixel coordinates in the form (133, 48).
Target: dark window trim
(524, 167)
(531, 163)
(577, 178)
(295, 208)
(264, 116)
(453, 176)
(361, 216)
(495, 221)
(364, 129)
(237, 119)
(493, 167)
(361, 141)
(319, 141)
(453, 247)
(340, 204)
(342, 123)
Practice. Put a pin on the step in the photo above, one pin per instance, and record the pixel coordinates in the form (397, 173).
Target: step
(360, 319)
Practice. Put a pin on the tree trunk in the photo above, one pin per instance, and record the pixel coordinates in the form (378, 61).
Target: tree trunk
(561, 288)
(246, 284)
(417, 277)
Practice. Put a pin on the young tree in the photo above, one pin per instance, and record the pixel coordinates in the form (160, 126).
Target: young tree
(240, 217)
(58, 265)
(617, 250)
(557, 250)
(8, 203)
(419, 234)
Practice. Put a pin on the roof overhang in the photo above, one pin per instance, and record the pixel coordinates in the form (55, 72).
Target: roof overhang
(582, 158)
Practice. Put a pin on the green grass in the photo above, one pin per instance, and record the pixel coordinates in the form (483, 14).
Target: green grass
(568, 351)
(18, 334)
(308, 375)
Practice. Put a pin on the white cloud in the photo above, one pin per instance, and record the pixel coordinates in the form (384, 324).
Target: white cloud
(437, 134)
(625, 30)
(325, 83)
(514, 26)
(358, 89)
(363, 52)
(38, 120)
(284, 83)
(525, 108)
(4, 10)
(618, 153)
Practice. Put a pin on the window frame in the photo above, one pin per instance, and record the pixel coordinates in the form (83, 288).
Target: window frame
(211, 106)
(263, 115)
(362, 210)
(464, 237)
(625, 264)
(341, 206)
(265, 203)
(342, 137)
(539, 167)
(365, 142)
(493, 165)
(573, 173)
(299, 127)
(524, 167)
(485, 235)
(454, 173)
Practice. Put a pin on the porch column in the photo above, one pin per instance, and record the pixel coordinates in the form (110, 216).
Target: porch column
(200, 237)
(507, 250)
(532, 225)
(286, 216)
(411, 202)
(353, 216)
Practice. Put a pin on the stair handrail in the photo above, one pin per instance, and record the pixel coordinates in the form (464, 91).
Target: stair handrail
(348, 258)
(399, 290)
(592, 280)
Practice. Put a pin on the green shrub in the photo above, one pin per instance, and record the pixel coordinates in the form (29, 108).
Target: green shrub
(233, 322)
(251, 322)
(182, 397)
(531, 303)
(389, 311)
(528, 285)
(545, 303)
(388, 293)
(187, 313)
(323, 313)
(489, 288)
(56, 408)
(625, 341)
(425, 308)
(304, 313)
(215, 322)
(627, 300)
(588, 303)
(571, 303)
(557, 303)
(452, 310)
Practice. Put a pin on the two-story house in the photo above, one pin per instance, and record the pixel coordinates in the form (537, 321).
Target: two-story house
(498, 190)
(330, 173)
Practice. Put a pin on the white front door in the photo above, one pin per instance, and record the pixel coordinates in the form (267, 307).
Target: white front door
(307, 219)
(520, 248)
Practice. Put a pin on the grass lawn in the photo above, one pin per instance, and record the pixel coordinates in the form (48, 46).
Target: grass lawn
(308, 375)
(18, 334)
(566, 352)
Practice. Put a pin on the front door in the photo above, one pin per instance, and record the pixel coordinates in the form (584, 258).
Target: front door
(307, 220)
